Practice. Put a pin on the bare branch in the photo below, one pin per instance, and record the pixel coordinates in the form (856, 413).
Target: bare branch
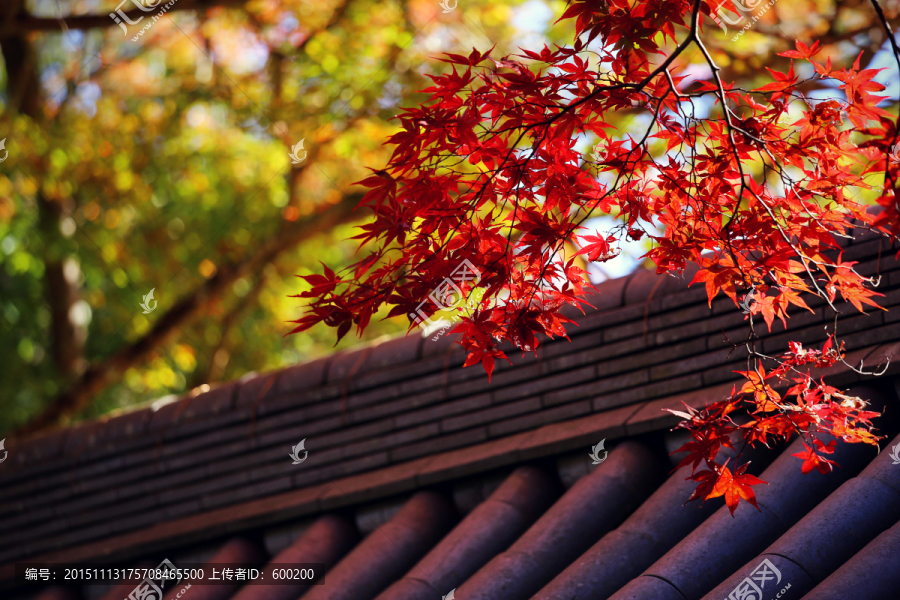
(104, 371)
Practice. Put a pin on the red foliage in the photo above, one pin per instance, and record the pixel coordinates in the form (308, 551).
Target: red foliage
(812, 460)
(486, 173)
(720, 482)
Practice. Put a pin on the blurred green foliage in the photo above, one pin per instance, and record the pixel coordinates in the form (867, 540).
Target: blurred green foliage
(168, 158)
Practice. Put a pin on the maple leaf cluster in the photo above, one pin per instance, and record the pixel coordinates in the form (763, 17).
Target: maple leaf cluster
(487, 171)
(817, 411)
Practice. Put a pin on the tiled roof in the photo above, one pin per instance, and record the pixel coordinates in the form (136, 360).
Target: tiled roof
(619, 531)
(402, 417)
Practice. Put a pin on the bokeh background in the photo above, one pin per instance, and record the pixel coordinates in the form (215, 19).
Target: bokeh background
(163, 164)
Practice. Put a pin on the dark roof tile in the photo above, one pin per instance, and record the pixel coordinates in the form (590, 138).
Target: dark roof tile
(168, 414)
(235, 551)
(714, 325)
(397, 437)
(489, 415)
(652, 416)
(723, 374)
(344, 362)
(783, 502)
(597, 386)
(791, 581)
(577, 433)
(36, 449)
(538, 418)
(443, 409)
(555, 360)
(438, 444)
(444, 348)
(536, 384)
(393, 352)
(642, 284)
(840, 526)
(648, 392)
(229, 497)
(253, 391)
(611, 295)
(371, 486)
(302, 376)
(57, 593)
(872, 573)
(389, 551)
(181, 509)
(489, 529)
(874, 335)
(593, 506)
(687, 314)
(697, 362)
(483, 457)
(81, 438)
(128, 424)
(831, 533)
(650, 357)
(813, 335)
(651, 531)
(218, 400)
(648, 588)
(339, 469)
(325, 542)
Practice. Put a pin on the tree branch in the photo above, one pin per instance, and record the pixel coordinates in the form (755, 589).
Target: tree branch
(103, 372)
(26, 22)
(31, 23)
(208, 374)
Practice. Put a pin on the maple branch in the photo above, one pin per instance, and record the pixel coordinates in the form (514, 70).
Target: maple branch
(726, 113)
(672, 85)
(779, 236)
(805, 259)
(663, 68)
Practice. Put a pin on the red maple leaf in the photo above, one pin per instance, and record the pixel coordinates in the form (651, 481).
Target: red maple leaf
(813, 461)
(722, 483)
